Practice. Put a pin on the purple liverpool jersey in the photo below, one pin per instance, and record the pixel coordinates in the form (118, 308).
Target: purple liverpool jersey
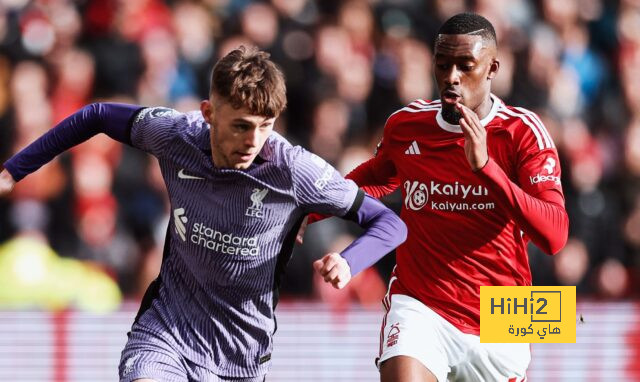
(230, 236)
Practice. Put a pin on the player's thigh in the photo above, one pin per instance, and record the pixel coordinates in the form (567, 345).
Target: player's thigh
(403, 368)
(494, 362)
(411, 336)
(146, 357)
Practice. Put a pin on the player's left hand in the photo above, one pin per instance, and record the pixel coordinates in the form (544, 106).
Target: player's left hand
(475, 138)
(334, 269)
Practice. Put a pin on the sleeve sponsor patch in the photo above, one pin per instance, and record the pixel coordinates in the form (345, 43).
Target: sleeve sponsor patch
(155, 112)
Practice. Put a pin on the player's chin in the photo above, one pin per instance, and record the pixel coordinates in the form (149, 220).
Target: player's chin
(451, 114)
(243, 162)
(242, 165)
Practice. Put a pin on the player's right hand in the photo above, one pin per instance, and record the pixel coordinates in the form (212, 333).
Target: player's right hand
(475, 138)
(334, 269)
(6, 182)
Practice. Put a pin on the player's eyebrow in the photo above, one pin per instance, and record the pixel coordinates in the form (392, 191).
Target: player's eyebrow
(466, 57)
(243, 121)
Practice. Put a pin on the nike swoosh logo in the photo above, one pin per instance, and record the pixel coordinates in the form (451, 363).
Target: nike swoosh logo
(182, 175)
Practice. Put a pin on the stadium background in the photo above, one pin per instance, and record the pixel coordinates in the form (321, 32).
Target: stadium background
(81, 239)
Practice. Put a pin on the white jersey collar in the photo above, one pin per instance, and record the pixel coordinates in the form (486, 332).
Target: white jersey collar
(444, 125)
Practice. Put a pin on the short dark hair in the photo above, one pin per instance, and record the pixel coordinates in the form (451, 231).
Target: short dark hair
(246, 77)
(469, 23)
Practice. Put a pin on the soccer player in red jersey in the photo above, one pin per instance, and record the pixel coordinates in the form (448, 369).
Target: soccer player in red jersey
(479, 180)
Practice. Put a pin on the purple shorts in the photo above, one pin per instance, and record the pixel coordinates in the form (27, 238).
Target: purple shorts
(147, 355)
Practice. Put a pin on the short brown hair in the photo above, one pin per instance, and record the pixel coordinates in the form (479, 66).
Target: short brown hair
(246, 77)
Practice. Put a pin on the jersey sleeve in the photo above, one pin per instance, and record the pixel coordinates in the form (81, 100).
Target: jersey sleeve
(154, 128)
(318, 186)
(113, 119)
(538, 165)
(535, 201)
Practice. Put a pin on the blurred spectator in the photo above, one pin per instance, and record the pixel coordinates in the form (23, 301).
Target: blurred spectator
(32, 275)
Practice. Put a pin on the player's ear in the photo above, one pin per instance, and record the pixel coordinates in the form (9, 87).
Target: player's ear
(206, 108)
(493, 69)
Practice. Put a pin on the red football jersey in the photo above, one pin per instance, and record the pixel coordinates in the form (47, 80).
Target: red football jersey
(467, 229)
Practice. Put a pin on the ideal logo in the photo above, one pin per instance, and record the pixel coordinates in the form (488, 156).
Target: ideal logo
(549, 167)
(416, 196)
(255, 210)
(180, 220)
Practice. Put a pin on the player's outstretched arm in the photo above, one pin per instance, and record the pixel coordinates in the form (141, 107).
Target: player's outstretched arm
(6, 182)
(384, 232)
(110, 118)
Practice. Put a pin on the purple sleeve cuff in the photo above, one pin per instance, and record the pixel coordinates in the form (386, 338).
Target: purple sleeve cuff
(113, 119)
(384, 232)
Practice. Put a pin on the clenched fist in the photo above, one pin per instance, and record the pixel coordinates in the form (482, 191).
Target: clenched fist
(6, 183)
(334, 269)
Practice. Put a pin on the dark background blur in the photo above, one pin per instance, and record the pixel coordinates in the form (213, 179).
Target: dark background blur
(102, 207)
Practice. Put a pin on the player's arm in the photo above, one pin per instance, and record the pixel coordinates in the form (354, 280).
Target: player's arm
(384, 231)
(320, 188)
(109, 118)
(377, 176)
(539, 213)
(542, 217)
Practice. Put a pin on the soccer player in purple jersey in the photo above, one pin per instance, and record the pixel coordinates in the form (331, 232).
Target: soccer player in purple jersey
(238, 194)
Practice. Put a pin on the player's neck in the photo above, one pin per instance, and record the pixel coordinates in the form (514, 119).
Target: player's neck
(485, 107)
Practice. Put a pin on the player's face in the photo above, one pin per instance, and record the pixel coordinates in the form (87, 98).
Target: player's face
(237, 136)
(464, 67)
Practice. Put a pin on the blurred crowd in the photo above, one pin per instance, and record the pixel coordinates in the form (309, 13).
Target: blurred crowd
(348, 65)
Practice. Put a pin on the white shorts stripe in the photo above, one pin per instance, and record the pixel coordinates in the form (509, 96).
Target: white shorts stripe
(386, 301)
